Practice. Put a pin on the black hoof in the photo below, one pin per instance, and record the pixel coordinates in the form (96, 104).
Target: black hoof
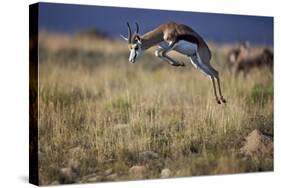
(218, 101)
(223, 100)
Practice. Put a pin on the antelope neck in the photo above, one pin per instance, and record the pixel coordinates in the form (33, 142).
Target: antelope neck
(151, 38)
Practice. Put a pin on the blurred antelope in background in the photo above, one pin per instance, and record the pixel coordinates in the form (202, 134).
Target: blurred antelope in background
(180, 38)
(244, 58)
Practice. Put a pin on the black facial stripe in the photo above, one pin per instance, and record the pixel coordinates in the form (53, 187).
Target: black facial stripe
(135, 55)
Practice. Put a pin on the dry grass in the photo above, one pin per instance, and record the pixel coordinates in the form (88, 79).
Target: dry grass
(100, 111)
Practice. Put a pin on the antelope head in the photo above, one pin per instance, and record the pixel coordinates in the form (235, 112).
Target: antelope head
(134, 43)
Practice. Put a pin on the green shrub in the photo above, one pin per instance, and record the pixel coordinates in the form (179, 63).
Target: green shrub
(261, 93)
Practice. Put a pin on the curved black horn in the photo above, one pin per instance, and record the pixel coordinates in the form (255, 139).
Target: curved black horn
(137, 26)
(129, 33)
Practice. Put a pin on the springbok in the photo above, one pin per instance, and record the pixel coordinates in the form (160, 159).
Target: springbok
(178, 37)
(244, 58)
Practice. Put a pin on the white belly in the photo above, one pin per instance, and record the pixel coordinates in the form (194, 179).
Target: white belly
(182, 46)
(189, 49)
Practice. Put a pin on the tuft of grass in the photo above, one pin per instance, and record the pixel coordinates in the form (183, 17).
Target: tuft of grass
(121, 104)
(260, 93)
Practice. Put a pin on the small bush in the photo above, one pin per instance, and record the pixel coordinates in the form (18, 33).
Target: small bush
(261, 93)
(121, 104)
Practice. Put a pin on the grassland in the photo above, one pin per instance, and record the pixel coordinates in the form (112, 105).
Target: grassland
(97, 113)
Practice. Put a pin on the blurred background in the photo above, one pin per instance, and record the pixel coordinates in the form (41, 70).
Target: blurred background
(219, 28)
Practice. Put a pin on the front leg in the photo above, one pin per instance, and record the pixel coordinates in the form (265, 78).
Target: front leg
(161, 53)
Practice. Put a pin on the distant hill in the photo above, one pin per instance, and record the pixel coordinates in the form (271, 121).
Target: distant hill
(93, 33)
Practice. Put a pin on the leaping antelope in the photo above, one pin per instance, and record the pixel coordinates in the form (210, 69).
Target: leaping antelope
(178, 37)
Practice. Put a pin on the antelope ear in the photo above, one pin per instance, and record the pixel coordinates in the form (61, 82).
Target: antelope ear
(138, 39)
(124, 38)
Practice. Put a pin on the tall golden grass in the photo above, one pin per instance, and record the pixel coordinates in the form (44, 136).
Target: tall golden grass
(100, 111)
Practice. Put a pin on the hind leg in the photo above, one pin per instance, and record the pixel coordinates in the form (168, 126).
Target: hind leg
(215, 73)
(209, 71)
(215, 90)
(220, 93)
